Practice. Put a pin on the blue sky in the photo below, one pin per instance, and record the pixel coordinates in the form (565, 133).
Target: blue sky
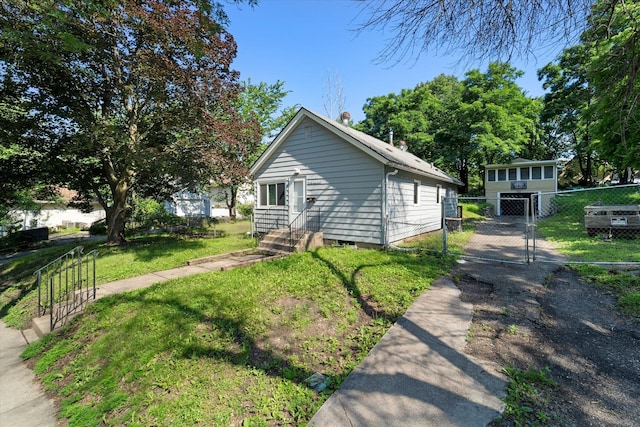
(302, 42)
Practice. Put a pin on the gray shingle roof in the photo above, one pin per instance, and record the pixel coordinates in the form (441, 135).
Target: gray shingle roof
(394, 157)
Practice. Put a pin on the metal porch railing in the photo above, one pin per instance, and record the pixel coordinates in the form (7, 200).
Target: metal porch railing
(268, 220)
(307, 221)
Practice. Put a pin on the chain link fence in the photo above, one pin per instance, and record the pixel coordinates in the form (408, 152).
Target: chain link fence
(596, 226)
(600, 225)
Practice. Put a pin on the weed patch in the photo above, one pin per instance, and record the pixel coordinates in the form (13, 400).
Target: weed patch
(625, 286)
(527, 396)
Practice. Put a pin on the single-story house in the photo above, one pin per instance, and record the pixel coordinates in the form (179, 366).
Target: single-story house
(57, 214)
(356, 188)
(521, 179)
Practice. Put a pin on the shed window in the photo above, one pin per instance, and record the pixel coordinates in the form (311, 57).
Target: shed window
(438, 188)
(502, 174)
(536, 172)
(491, 175)
(513, 174)
(272, 194)
(548, 172)
(524, 174)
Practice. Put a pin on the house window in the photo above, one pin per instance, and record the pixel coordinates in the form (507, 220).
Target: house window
(416, 192)
(491, 175)
(502, 174)
(272, 194)
(524, 174)
(513, 174)
(536, 172)
(438, 188)
(548, 172)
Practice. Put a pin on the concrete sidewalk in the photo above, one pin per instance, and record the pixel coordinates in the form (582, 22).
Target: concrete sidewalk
(22, 401)
(417, 375)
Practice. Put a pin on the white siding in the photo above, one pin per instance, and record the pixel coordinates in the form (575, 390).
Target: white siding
(345, 182)
(407, 219)
(58, 217)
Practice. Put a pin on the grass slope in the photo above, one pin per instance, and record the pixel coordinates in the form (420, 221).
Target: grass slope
(230, 348)
(566, 227)
(142, 255)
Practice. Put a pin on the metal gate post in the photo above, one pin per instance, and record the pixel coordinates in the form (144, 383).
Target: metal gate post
(533, 224)
(445, 247)
(526, 229)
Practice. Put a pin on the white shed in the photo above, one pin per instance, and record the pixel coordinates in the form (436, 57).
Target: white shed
(352, 186)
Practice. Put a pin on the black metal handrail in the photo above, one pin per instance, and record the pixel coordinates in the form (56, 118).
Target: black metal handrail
(269, 220)
(305, 221)
(66, 284)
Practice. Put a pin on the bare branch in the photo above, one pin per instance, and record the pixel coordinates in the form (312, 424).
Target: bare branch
(478, 29)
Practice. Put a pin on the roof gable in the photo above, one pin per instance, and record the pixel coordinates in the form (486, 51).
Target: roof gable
(381, 151)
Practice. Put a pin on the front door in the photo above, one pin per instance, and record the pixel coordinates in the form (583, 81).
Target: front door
(298, 202)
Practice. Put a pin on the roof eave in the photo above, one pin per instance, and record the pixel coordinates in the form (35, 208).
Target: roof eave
(407, 168)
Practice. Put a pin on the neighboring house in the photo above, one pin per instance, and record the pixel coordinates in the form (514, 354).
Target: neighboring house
(521, 179)
(360, 188)
(56, 214)
(210, 204)
(187, 204)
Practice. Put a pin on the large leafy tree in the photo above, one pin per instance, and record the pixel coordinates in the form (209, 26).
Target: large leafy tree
(261, 103)
(451, 133)
(566, 110)
(460, 126)
(407, 114)
(140, 93)
(503, 120)
(613, 66)
(26, 173)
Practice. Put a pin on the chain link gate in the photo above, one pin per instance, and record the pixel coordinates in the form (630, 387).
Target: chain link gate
(502, 230)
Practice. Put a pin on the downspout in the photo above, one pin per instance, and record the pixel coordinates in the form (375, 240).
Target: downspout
(386, 207)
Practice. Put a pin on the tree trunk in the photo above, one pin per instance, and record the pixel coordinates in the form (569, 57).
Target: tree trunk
(116, 215)
(232, 201)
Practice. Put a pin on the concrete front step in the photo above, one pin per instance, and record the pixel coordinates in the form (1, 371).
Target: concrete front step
(279, 241)
(276, 241)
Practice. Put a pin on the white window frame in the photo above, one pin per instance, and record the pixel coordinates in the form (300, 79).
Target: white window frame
(268, 186)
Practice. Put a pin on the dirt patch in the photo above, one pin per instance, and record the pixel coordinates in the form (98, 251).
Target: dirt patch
(298, 331)
(572, 327)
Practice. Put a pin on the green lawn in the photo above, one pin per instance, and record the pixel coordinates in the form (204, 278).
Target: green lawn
(143, 254)
(230, 348)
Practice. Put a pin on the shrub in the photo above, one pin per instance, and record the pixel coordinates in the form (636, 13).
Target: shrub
(98, 228)
(246, 210)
